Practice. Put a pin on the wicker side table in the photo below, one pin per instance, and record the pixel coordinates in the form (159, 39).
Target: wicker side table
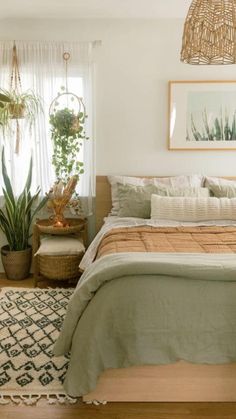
(58, 267)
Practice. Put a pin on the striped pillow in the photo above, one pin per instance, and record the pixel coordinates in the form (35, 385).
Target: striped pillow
(192, 209)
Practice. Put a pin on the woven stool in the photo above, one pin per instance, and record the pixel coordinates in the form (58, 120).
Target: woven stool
(57, 256)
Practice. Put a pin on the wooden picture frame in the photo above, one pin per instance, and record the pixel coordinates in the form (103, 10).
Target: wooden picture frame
(202, 115)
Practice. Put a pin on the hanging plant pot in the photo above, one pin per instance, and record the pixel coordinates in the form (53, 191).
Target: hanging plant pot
(16, 110)
(75, 125)
(66, 122)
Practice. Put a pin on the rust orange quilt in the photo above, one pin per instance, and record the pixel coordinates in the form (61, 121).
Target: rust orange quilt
(169, 239)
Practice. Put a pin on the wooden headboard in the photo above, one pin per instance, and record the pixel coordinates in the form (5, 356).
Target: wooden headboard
(103, 200)
(103, 197)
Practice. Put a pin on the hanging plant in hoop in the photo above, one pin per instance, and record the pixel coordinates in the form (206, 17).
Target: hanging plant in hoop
(67, 131)
(19, 104)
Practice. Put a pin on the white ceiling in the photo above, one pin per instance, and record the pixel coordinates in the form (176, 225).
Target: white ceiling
(98, 9)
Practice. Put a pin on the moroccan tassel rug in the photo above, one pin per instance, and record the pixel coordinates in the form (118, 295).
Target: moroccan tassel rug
(30, 320)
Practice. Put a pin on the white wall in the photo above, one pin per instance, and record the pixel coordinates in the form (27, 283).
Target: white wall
(134, 64)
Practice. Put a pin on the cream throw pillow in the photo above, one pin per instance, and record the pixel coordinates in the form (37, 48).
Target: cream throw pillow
(192, 209)
(60, 245)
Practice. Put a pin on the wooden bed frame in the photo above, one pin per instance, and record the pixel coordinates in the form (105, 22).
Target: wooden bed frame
(179, 382)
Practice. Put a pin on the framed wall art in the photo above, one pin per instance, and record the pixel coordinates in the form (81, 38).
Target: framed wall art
(202, 115)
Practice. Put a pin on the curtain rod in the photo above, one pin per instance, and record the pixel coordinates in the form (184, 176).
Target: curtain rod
(95, 43)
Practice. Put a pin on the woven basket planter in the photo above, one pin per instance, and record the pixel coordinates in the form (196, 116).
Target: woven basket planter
(59, 267)
(16, 263)
(17, 110)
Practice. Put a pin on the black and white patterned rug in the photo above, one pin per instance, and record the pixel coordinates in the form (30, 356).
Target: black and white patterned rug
(30, 321)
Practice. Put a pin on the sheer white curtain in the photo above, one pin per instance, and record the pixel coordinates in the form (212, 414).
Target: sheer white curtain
(42, 69)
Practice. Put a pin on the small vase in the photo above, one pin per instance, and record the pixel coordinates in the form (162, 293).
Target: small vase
(17, 110)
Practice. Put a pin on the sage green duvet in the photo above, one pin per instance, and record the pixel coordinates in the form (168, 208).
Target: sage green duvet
(149, 308)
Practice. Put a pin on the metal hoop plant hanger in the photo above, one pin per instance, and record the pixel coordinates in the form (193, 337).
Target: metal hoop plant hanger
(79, 100)
(67, 131)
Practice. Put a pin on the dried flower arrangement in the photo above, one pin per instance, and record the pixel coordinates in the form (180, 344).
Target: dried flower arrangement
(60, 198)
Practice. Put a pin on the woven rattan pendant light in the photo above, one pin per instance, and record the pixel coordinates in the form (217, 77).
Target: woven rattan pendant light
(210, 33)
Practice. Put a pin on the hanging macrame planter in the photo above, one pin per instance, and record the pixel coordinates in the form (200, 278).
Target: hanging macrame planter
(16, 110)
(21, 104)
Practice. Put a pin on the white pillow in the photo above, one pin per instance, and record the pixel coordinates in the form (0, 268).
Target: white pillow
(174, 181)
(192, 209)
(60, 245)
(218, 181)
(183, 181)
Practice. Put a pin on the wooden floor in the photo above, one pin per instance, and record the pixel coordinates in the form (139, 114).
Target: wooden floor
(113, 410)
(123, 411)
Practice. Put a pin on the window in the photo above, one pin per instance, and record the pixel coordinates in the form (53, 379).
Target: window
(42, 69)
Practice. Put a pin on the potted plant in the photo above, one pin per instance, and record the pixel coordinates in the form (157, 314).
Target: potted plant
(15, 221)
(67, 134)
(19, 105)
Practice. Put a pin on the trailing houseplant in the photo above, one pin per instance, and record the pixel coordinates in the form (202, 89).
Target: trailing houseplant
(15, 221)
(67, 131)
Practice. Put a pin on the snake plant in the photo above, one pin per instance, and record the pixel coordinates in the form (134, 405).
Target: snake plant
(17, 215)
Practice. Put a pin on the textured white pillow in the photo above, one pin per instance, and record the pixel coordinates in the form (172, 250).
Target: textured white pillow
(218, 181)
(183, 181)
(60, 245)
(192, 209)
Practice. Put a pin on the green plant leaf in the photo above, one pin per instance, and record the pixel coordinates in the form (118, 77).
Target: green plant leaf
(39, 207)
(4, 98)
(17, 215)
(6, 179)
